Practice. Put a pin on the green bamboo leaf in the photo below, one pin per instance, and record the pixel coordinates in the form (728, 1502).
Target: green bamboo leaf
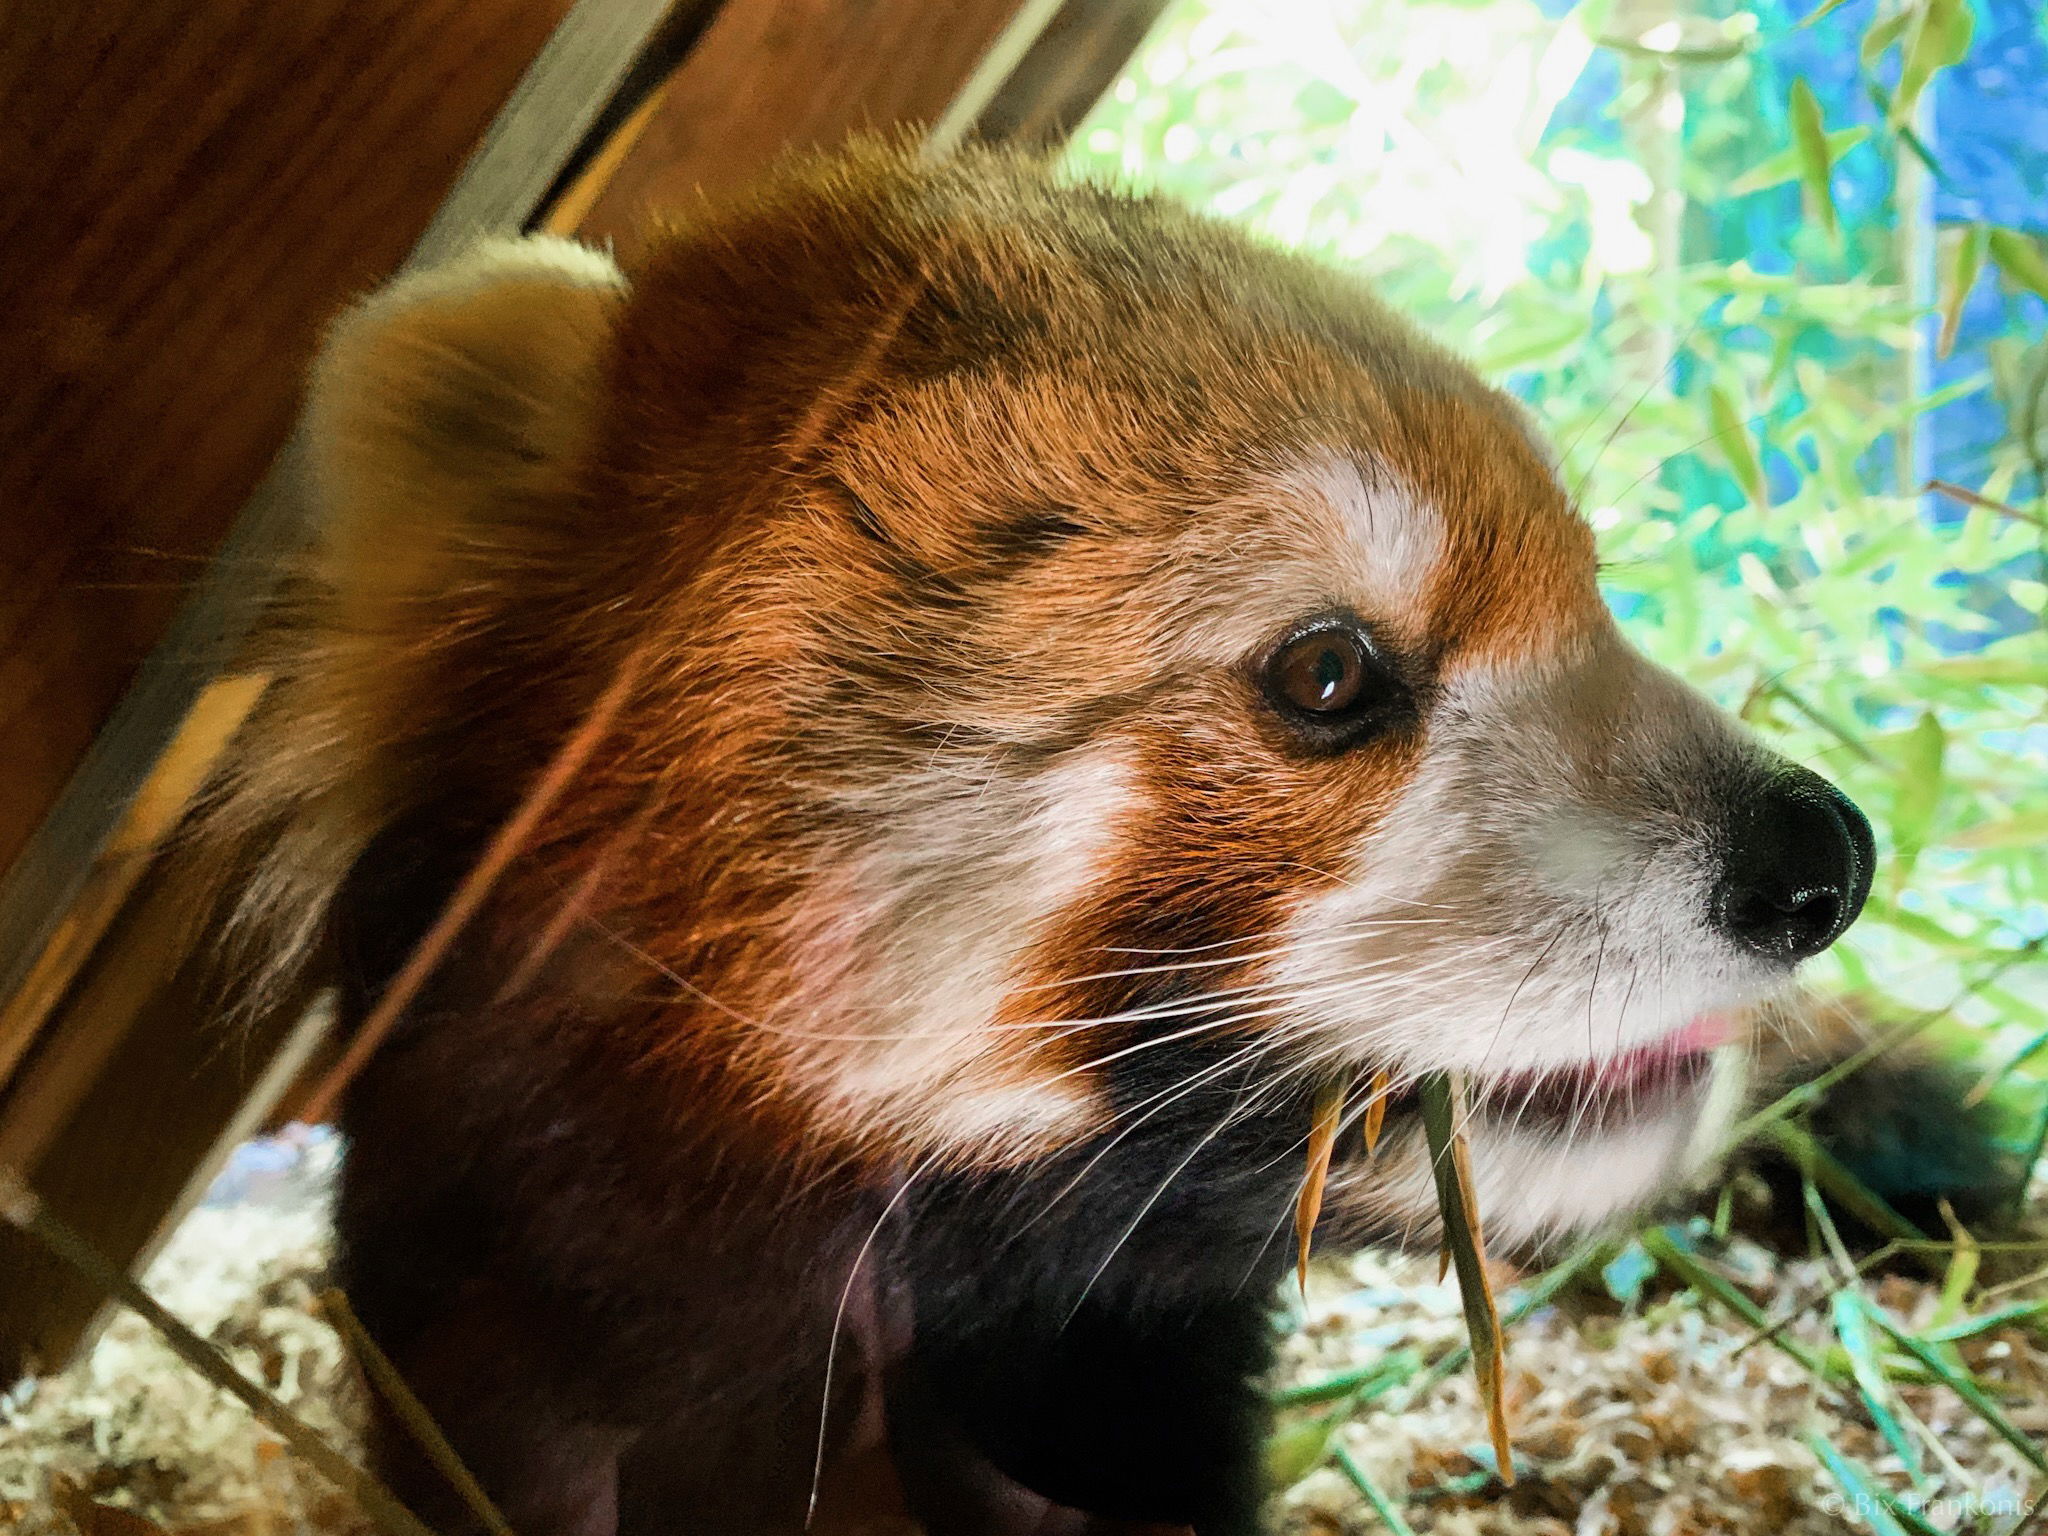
(1882, 33)
(1918, 795)
(1939, 37)
(1885, 1516)
(1707, 1280)
(1727, 420)
(1523, 1300)
(2031, 1152)
(2022, 831)
(1381, 1504)
(1852, 1327)
(1966, 1389)
(2019, 257)
(1785, 166)
(1971, 1327)
(1443, 1122)
(1816, 166)
(1839, 1184)
(1994, 670)
(1962, 1273)
(1298, 1449)
(1964, 266)
(1924, 928)
(1359, 1385)
(1826, 8)
(1519, 346)
(2017, 1059)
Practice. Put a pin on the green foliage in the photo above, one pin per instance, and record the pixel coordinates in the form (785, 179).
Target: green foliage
(1734, 434)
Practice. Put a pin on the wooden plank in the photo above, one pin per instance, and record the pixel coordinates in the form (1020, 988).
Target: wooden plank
(1068, 68)
(771, 76)
(133, 1085)
(117, 1130)
(149, 818)
(191, 191)
(202, 385)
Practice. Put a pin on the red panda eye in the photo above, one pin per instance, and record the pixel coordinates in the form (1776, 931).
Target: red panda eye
(1323, 672)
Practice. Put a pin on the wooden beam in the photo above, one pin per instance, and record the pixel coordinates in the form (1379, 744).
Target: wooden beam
(1070, 65)
(345, 135)
(128, 1084)
(771, 76)
(118, 1130)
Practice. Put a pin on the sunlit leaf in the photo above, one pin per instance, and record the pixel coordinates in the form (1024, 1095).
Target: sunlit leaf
(2019, 257)
(2029, 829)
(1785, 166)
(1533, 343)
(1938, 38)
(2008, 670)
(1816, 162)
(1731, 433)
(1918, 795)
(1964, 265)
(1884, 32)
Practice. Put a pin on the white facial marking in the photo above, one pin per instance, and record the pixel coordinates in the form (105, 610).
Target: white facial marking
(1394, 540)
(930, 935)
(1335, 532)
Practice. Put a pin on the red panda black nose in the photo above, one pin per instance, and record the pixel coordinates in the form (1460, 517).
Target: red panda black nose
(1795, 869)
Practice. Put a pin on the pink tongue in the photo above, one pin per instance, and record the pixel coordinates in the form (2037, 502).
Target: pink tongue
(1702, 1034)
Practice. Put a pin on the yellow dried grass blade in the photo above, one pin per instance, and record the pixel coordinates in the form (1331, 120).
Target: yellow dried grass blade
(1376, 1111)
(1322, 1141)
(1450, 1158)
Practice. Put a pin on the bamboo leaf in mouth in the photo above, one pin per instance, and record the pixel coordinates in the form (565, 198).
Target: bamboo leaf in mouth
(1322, 1141)
(1444, 1114)
(1376, 1111)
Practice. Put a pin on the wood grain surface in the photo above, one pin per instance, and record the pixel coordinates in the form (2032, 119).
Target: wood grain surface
(189, 191)
(770, 76)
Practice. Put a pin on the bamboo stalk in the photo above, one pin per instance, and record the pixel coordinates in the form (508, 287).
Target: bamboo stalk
(411, 1411)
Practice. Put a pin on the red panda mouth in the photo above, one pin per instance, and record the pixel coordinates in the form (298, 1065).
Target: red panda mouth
(1644, 1082)
(1607, 1094)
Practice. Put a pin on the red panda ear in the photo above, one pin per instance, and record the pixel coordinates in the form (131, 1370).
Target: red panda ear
(446, 427)
(449, 412)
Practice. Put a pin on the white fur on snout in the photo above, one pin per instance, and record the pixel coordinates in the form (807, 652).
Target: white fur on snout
(1537, 898)
(920, 945)
(1532, 1187)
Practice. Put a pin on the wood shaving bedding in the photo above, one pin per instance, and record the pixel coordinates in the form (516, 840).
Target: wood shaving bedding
(1643, 1423)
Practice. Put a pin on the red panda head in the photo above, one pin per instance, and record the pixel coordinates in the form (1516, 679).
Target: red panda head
(1068, 633)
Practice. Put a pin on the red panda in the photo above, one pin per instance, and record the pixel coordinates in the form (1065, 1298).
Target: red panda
(1083, 680)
